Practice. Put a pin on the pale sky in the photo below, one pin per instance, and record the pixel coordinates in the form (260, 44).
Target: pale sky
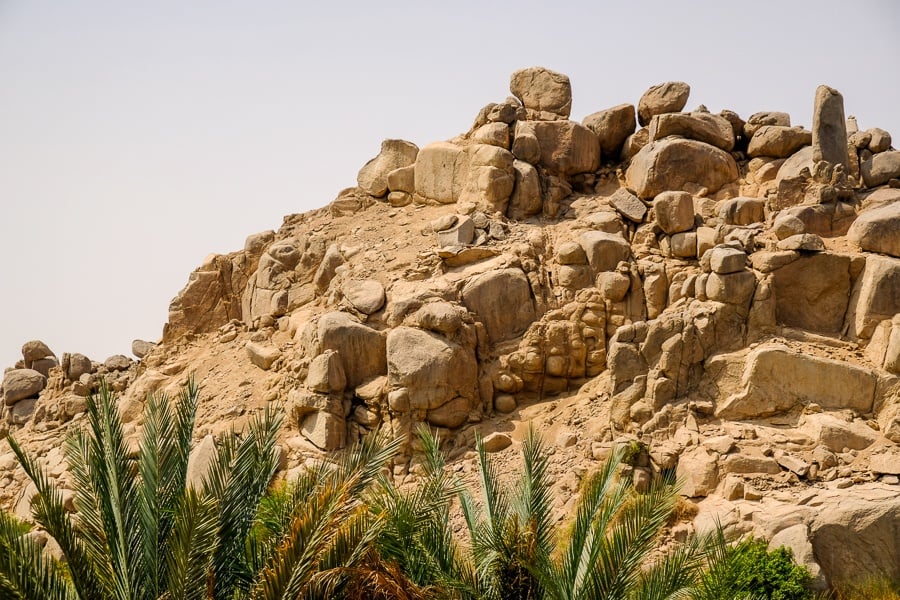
(138, 137)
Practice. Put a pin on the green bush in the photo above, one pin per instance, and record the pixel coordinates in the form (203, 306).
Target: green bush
(750, 568)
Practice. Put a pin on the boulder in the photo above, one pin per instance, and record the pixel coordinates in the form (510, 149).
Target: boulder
(761, 119)
(440, 172)
(858, 535)
(744, 464)
(496, 441)
(881, 168)
(604, 250)
(674, 211)
(490, 177)
(776, 379)
(141, 348)
(805, 242)
(328, 267)
(876, 296)
(262, 355)
(19, 384)
(742, 211)
(674, 163)
(201, 457)
(571, 253)
(494, 134)
(402, 179)
(117, 362)
(326, 373)
(366, 295)
(612, 127)
(432, 369)
(670, 97)
(451, 414)
(837, 434)
(813, 292)
(361, 348)
(725, 259)
(440, 317)
(703, 127)
(327, 431)
(395, 154)
(502, 300)
(879, 140)
(35, 350)
(878, 230)
(829, 130)
(629, 206)
(698, 471)
(526, 198)
(731, 288)
(778, 142)
(75, 365)
(566, 148)
(541, 89)
(787, 225)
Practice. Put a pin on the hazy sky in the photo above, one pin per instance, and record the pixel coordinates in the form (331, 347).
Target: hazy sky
(138, 137)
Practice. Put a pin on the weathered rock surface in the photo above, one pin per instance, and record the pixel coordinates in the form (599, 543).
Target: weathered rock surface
(668, 97)
(542, 89)
(674, 164)
(395, 154)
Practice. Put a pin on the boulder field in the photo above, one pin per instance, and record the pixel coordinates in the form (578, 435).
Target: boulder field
(725, 291)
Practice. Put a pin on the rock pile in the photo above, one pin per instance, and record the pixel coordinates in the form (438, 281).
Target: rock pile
(724, 290)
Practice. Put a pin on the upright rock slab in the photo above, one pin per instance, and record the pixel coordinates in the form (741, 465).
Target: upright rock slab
(612, 127)
(829, 134)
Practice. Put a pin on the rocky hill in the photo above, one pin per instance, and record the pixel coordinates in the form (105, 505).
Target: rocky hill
(723, 293)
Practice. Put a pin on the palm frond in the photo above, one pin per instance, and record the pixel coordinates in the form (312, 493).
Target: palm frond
(24, 571)
(49, 512)
(190, 546)
(238, 477)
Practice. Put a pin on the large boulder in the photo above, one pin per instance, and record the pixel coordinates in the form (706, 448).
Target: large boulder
(777, 379)
(878, 230)
(526, 198)
(813, 292)
(604, 250)
(612, 127)
(366, 295)
(674, 163)
(440, 172)
(564, 147)
(433, 369)
(876, 296)
(777, 141)
(19, 384)
(362, 349)
(881, 168)
(35, 350)
(502, 301)
(674, 211)
(541, 89)
(669, 97)
(764, 118)
(858, 535)
(703, 127)
(489, 177)
(395, 154)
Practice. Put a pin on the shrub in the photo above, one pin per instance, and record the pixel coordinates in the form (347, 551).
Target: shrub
(750, 568)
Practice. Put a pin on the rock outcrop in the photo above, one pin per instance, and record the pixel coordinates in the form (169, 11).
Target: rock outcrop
(722, 292)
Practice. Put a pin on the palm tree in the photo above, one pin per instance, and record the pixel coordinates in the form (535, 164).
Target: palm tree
(518, 551)
(141, 533)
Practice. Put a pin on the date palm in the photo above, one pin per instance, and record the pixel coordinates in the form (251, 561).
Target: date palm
(141, 533)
